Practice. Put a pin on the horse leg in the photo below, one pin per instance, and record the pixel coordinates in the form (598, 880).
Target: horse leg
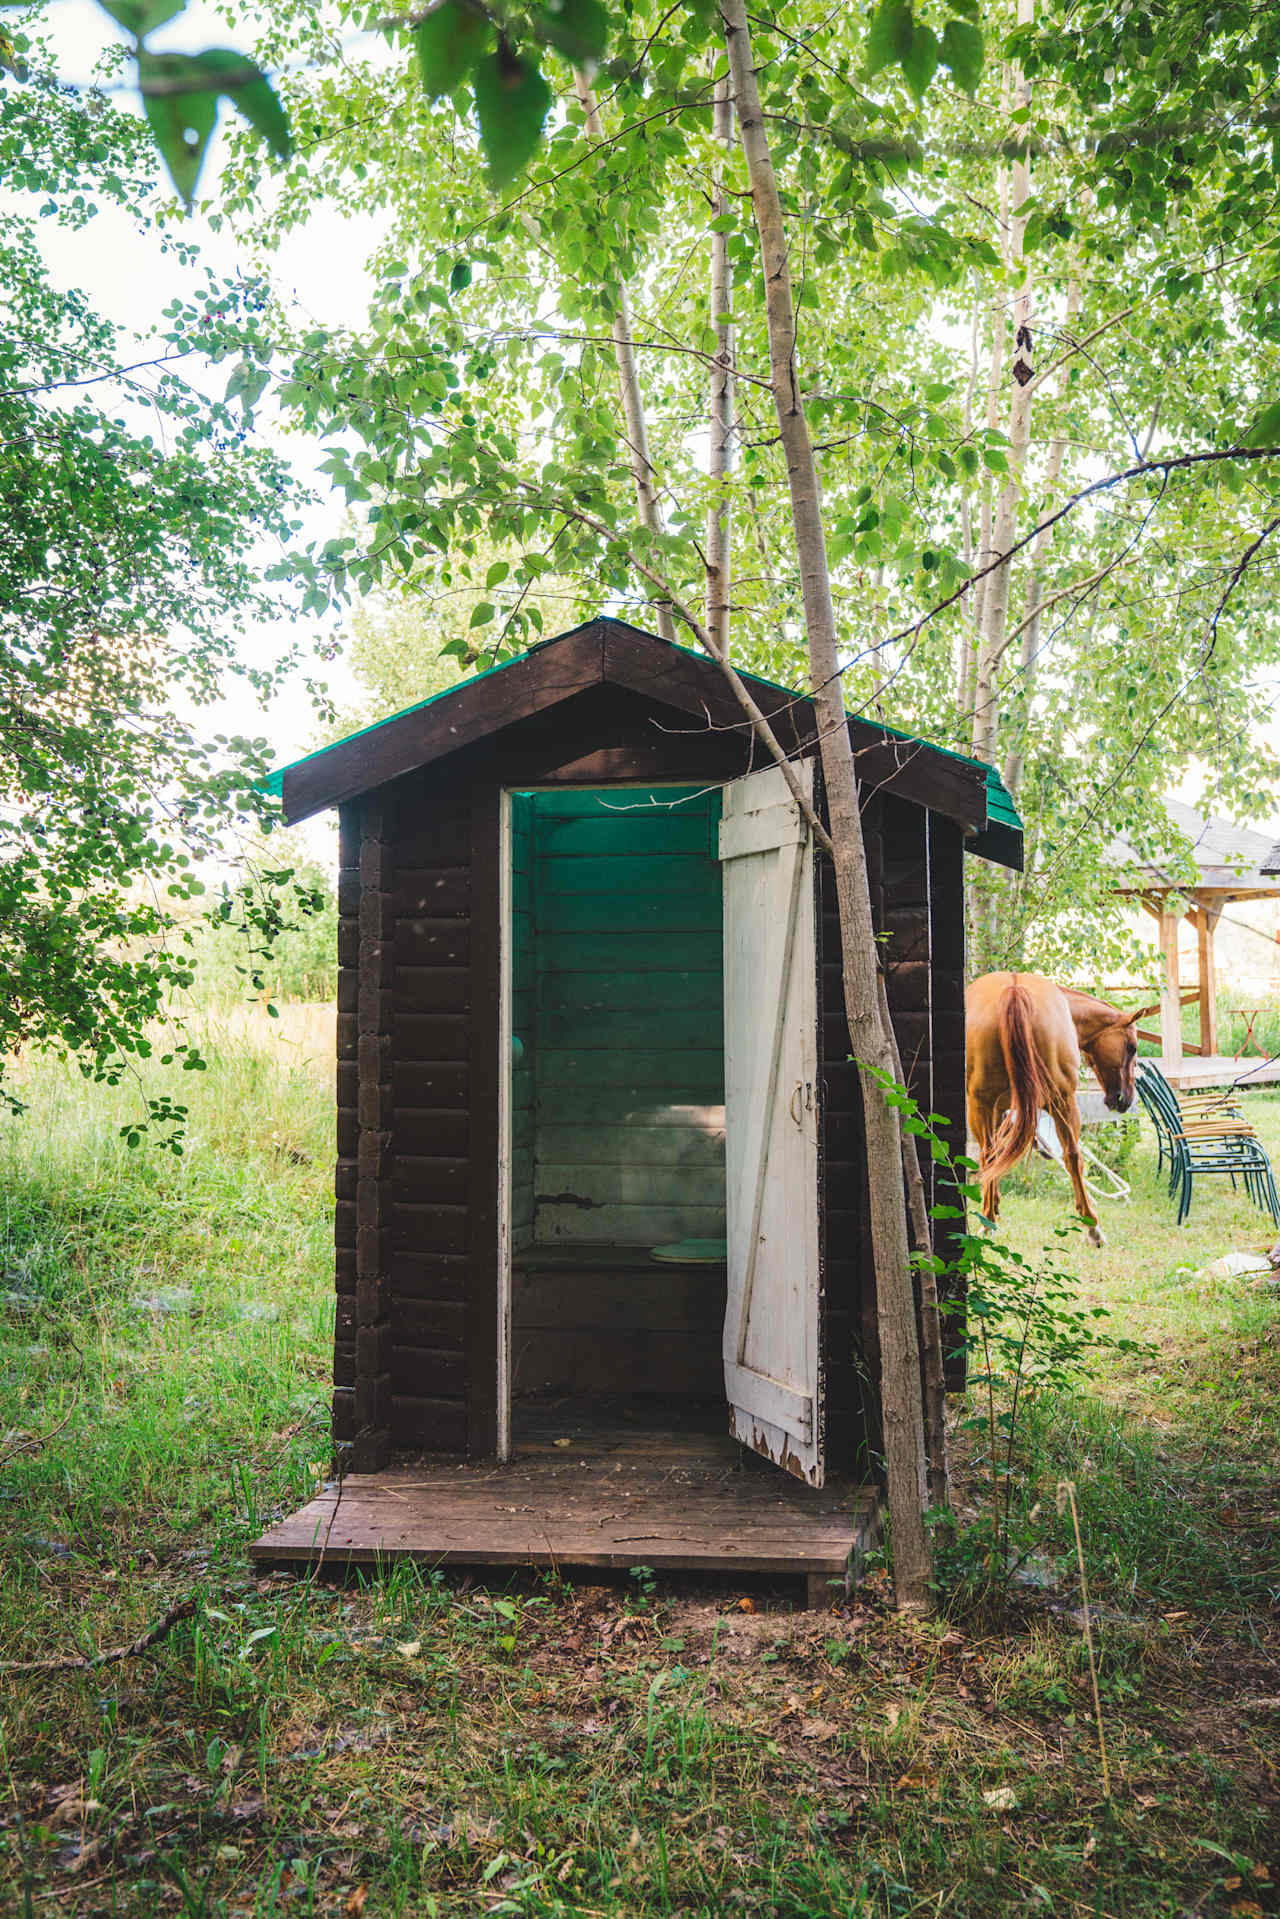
(982, 1125)
(1066, 1120)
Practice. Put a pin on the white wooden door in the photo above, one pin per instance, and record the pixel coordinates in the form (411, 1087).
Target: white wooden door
(772, 1358)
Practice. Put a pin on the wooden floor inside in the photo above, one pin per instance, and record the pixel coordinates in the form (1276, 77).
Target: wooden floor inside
(592, 1487)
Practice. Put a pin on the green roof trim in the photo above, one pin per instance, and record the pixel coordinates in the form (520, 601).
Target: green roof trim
(1001, 811)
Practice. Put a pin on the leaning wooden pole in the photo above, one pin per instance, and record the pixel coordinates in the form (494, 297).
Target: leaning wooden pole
(624, 352)
(900, 1388)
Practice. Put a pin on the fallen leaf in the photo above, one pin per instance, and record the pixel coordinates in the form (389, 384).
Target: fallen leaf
(356, 1902)
(1233, 1883)
(1001, 1799)
(892, 1715)
(818, 1729)
(409, 1649)
(915, 1782)
(1247, 1909)
(745, 1605)
(562, 1442)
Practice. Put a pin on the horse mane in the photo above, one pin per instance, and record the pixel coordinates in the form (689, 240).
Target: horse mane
(1090, 1003)
(1014, 1135)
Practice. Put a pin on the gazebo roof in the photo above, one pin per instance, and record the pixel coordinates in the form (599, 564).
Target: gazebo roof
(1232, 862)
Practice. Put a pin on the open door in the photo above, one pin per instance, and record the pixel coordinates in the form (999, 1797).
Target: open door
(772, 1353)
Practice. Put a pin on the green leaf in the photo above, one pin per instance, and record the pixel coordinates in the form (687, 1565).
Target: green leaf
(140, 16)
(1265, 430)
(448, 43)
(497, 573)
(483, 614)
(512, 101)
(920, 62)
(460, 277)
(889, 40)
(579, 29)
(251, 93)
(182, 120)
(963, 51)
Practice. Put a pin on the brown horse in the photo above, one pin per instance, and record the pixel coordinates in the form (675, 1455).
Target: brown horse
(1024, 1037)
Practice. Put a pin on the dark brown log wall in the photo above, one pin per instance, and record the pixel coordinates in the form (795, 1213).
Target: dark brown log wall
(404, 1228)
(897, 836)
(947, 933)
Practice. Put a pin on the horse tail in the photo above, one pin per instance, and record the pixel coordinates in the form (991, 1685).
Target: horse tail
(1028, 1090)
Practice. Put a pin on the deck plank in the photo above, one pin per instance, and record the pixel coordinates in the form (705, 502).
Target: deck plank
(612, 1498)
(1193, 1070)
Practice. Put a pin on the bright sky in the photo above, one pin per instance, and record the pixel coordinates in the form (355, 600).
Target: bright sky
(130, 279)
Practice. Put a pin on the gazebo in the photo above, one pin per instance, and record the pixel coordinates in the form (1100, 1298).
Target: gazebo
(1231, 863)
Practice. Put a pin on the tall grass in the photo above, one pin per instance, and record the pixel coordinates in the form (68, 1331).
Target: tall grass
(169, 1314)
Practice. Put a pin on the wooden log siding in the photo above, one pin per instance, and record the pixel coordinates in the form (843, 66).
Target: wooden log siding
(348, 1140)
(428, 1148)
(898, 870)
(362, 1408)
(946, 928)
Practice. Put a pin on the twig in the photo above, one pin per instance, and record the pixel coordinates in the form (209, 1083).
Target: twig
(36, 1442)
(185, 1609)
(1067, 1497)
(333, 1516)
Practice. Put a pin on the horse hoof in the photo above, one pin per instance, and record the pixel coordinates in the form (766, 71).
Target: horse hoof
(1096, 1236)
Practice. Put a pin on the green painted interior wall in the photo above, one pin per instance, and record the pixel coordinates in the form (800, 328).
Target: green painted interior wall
(618, 982)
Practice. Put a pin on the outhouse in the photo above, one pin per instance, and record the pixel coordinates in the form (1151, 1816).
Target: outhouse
(601, 1181)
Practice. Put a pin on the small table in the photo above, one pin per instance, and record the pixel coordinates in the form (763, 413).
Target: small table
(1250, 1015)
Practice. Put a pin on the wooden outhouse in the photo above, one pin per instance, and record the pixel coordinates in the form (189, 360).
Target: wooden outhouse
(601, 1182)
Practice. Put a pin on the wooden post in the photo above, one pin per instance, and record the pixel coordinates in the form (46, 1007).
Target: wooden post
(1206, 920)
(1170, 996)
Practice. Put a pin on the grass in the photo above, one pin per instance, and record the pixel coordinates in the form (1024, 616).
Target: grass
(421, 1746)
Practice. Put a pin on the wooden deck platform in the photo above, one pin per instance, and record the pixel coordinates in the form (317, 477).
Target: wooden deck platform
(1219, 1070)
(590, 1492)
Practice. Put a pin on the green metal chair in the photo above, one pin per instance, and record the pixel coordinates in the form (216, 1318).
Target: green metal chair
(1205, 1137)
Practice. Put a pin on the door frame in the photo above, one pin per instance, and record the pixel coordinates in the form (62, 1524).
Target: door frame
(506, 1064)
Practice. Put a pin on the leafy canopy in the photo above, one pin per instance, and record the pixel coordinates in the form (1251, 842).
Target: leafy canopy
(131, 506)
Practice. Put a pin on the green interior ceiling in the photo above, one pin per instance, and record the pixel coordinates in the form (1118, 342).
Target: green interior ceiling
(618, 1007)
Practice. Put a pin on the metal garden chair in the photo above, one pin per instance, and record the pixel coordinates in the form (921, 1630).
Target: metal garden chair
(1205, 1136)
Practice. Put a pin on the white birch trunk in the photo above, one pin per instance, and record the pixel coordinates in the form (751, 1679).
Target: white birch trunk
(995, 373)
(719, 513)
(995, 610)
(900, 1386)
(1015, 759)
(637, 432)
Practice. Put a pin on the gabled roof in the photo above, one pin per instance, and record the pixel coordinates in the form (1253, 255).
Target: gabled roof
(609, 652)
(1229, 859)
